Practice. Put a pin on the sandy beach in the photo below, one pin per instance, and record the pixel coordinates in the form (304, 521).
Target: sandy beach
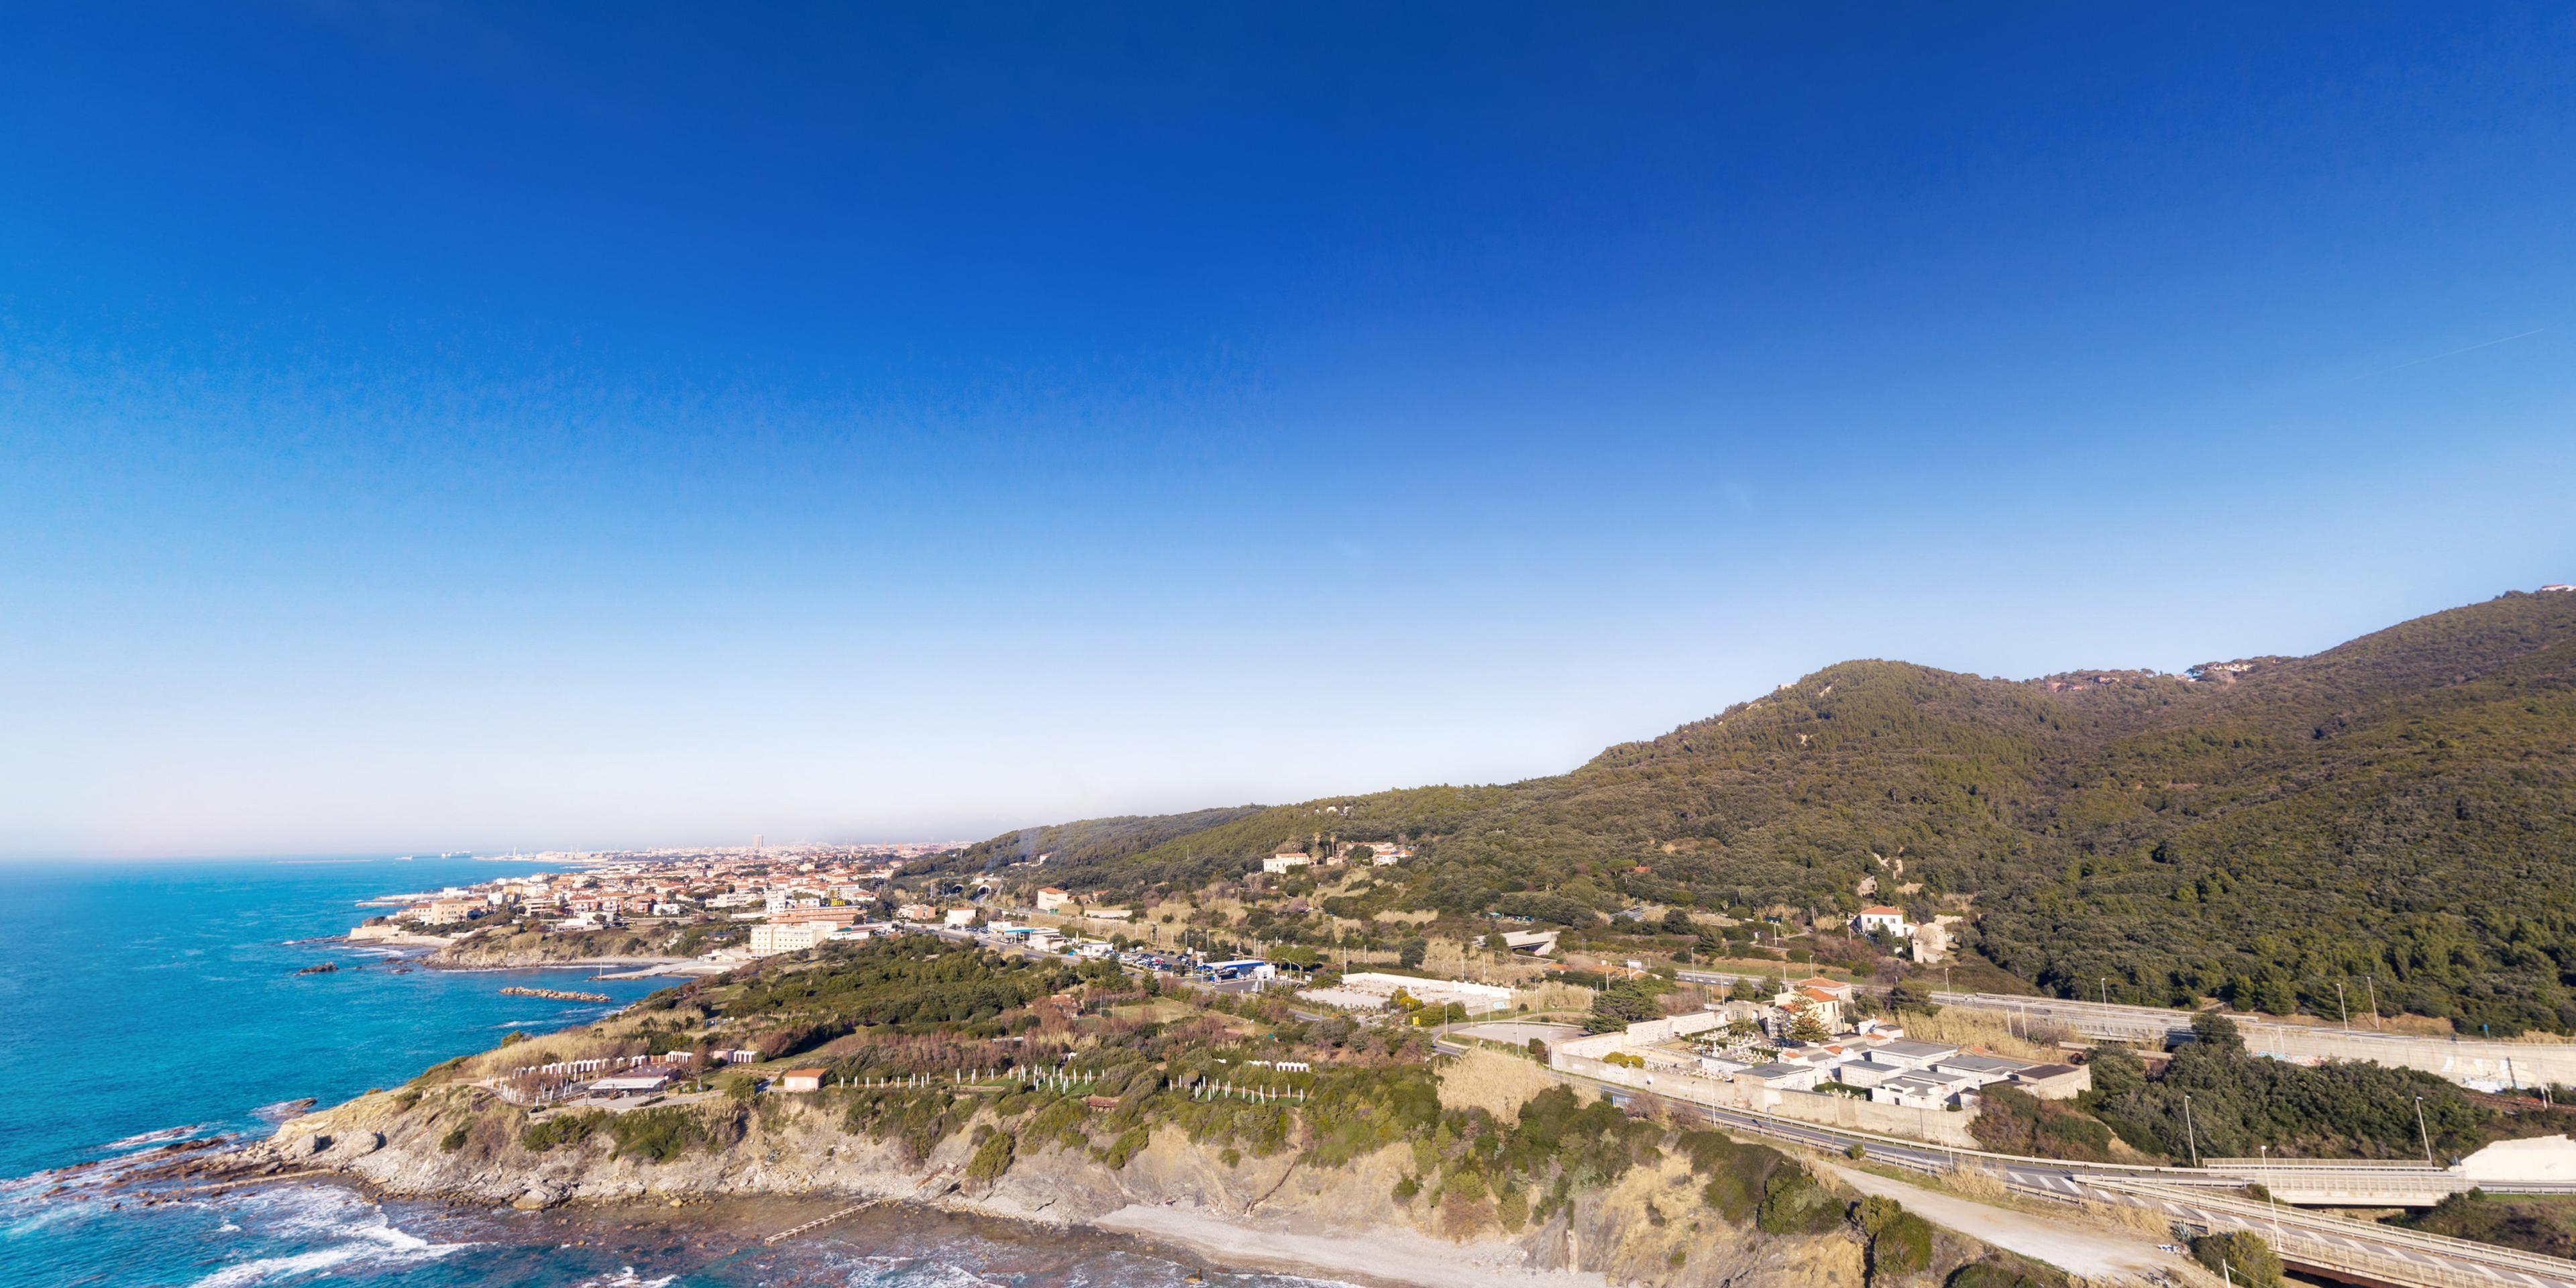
(1385, 1256)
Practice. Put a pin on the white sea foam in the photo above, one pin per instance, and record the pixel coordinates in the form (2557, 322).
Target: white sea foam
(356, 1232)
(155, 1137)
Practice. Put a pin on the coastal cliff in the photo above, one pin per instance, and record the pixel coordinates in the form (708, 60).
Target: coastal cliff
(1648, 1228)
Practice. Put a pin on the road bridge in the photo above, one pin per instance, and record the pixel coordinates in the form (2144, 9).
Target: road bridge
(2198, 1198)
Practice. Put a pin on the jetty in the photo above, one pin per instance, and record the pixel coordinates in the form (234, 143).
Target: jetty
(557, 994)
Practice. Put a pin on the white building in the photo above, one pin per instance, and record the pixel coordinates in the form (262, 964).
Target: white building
(1884, 920)
(961, 917)
(1286, 861)
(1052, 899)
(772, 939)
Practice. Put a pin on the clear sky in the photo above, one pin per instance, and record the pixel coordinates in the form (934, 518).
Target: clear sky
(430, 426)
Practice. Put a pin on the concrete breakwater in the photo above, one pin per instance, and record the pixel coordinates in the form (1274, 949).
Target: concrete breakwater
(556, 994)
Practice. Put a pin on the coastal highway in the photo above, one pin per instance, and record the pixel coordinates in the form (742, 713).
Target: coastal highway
(2470, 1061)
(2204, 1200)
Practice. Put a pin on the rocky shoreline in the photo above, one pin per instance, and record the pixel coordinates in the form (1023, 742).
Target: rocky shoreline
(1256, 1214)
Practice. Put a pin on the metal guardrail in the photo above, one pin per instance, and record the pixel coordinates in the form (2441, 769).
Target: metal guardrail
(2316, 1227)
(2182, 1185)
(2333, 1164)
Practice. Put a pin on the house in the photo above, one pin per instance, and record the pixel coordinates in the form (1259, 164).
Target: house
(959, 917)
(1834, 988)
(1883, 920)
(2055, 1081)
(1823, 1005)
(1537, 943)
(1911, 1054)
(917, 912)
(773, 938)
(1044, 940)
(1285, 859)
(1052, 899)
(801, 1080)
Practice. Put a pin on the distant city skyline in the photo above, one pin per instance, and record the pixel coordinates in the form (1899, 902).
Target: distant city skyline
(476, 426)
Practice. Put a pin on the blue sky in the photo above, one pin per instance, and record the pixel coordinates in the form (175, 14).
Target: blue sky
(425, 426)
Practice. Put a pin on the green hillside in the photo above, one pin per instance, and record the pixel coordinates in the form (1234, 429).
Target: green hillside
(2400, 809)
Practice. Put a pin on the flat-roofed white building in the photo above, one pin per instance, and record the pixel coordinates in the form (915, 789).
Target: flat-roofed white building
(772, 939)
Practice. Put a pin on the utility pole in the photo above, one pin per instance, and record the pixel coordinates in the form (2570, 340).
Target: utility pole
(2372, 983)
(2190, 1133)
(2427, 1131)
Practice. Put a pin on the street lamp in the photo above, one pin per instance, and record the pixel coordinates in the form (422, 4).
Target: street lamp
(2190, 1133)
(2265, 1152)
(2427, 1132)
(2106, 990)
(2339, 1005)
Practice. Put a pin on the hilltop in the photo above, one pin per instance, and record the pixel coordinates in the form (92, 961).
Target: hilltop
(2396, 814)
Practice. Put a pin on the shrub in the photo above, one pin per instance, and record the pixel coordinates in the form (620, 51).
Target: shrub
(453, 1141)
(1129, 1144)
(1900, 1243)
(992, 1158)
(656, 1134)
(2246, 1258)
(563, 1129)
(1793, 1203)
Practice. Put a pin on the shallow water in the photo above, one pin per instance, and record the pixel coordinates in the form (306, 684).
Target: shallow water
(158, 1002)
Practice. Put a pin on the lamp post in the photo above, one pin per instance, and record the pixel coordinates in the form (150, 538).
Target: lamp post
(2106, 990)
(2190, 1133)
(2371, 982)
(2265, 1153)
(2339, 1005)
(2426, 1131)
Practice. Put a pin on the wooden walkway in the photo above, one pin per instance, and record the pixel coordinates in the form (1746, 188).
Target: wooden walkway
(820, 1221)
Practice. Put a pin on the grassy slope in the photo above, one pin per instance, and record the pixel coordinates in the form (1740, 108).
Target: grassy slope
(2400, 807)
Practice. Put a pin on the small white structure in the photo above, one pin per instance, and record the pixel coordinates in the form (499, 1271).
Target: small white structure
(1883, 920)
(1052, 899)
(960, 917)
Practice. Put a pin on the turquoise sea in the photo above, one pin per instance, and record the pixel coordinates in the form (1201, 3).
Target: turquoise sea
(149, 1001)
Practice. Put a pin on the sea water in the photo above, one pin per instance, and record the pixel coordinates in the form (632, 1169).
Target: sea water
(147, 1002)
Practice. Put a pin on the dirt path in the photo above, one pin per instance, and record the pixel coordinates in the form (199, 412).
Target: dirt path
(2071, 1244)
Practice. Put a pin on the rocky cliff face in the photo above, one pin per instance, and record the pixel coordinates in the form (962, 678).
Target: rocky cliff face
(1650, 1228)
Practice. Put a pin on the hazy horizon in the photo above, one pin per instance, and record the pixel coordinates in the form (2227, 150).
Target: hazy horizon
(473, 426)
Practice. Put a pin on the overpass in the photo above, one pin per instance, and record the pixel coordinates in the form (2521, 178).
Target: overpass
(2200, 1199)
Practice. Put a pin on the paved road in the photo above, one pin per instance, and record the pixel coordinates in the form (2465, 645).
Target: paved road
(2197, 1197)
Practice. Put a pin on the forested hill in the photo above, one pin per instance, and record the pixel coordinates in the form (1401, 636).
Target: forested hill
(2401, 808)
